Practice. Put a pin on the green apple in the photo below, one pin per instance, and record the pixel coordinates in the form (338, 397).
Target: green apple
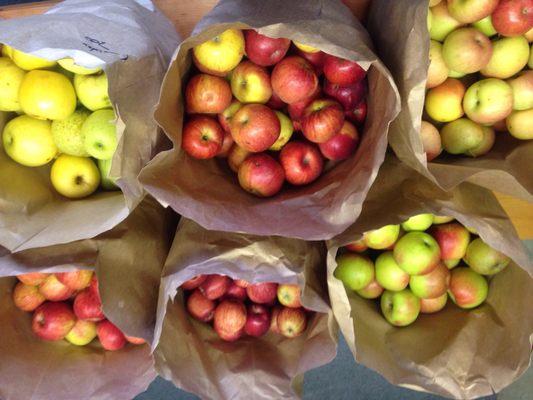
(466, 50)
(400, 308)
(461, 135)
(92, 90)
(486, 145)
(419, 222)
(30, 62)
(106, 181)
(67, 133)
(438, 70)
(11, 77)
(430, 306)
(522, 87)
(382, 238)
(468, 289)
(431, 285)
(442, 22)
(444, 103)
(356, 271)
(431, 142)
(441, 219)
(485, 26)
(100, 133)
(29, 141)
(488, 101)
(509, 56)
(286, 131)
(484, 259)
(370, 291)
(74, 177)
(417, 253)
(82, 333)
(69, 65)
(388, 274)
(451, 264)
(519, 124)
(468, 11)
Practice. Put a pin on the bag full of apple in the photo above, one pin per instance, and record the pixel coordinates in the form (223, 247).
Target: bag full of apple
(446, 277)
(236, 299)
(75, 121)
(466, 69)
(282, 116)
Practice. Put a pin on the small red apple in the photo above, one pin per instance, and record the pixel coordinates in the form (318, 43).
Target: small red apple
(75, 280)
(261, 175)
(207, 94)
(200, 307)
(257, 321)
(289, 296)
(224, 118)
(26, 297)
(235, 292)
(255, 127)
(194, 282)
(229, 320)
(110, 336)
(53, 290)
(236, 157)
(215, 286)
(53, 321)
(88, 306)
(301, 162)
(202, 137)
(358, 114)
(342, 72)
(342, 145)
(294, 79)
(513, 17)
(262, 293)
(349, 96)
(291, 321)
(32, 278)
(321, 120)
(263, 50)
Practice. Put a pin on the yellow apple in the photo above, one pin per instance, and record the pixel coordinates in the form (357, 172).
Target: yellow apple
(11, 77)
(520, 124)
(522, 87)
(92, 91)
(30, 62)
(82, 333)
(75, 177)
(509, 56)
(444, 102)
(68, 135)
(29, 141)
(431, 141)
(69, 65)
(488, 101)
(438, 70)
(286, 131)
(7, 51)
(221, 54)
(306, 48)
(461, 136)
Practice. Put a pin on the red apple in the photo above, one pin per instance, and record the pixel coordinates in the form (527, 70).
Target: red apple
(292, 322)
(275, 102)
(242, 283)
(207, 94)
(349, 96)
(135, 340)
(202, 137)
(261, 175)
(194, 282)
(227, 144)
(262, 293)
(215, 286)
(235, 292)
(358, 114)
(294, 79)
(94, 287)
(342, 72)
(53, 290)
(229, 320)
(321, 120)
(297, 109)
(289, 296)
(75, 280)
(255, 127)
(236, 157)
(342, 145)
(200, 307)
(33, 278)
(88, 306)
(513, 17)
(257, 320)
(110, 336)
(27, 297)
(274, 320)
(316, 59)
(301, 162)
(263, 50)
(53, 321)
(358, 246)
(224, 118)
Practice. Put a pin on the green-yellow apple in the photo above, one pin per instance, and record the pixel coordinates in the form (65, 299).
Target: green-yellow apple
(431, 285)
(74, 177)
(356, 271)
(485, 26)
(430, 306)
(400, 308)
(442, 22)
(452, 263)
(106, 181)
(419, 222)
(82, 333)
(453, 239)
(442, 219)
(70, 65)
(221, 54)
(11, 77)
(519, 124)
(466, 50)
(431, 142)
(522, 87)
(382, 238)
(285, 133)
(371, 291)
(92, 90)
(438, 70)
(388, 274)
(468, 11)
(468, 289)
(488, 101)
(417, 253)
(47, 95)
(29, 62)
(461, 135)
(250, 83)
(29, 141)
(455, 74)
(100, 133)
(509, 56)
(444, 102)
(484, 259)
(67, 133)
(486, 145)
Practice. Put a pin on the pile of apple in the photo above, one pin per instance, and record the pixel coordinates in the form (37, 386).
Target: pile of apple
(237, 308)
(417, 265)
(67, 306)
(248, 110)
(64, 117)
(476, 82)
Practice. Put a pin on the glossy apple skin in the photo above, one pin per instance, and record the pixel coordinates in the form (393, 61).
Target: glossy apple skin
(400, 308)
(291, 322)
(26, 297)
(358, 114)
(257, 320)
(250, 83)
(342, 72)
(431, 285)
(32, 278)
(255, 127)
(261, 175)
(236, 292)
(468, 289)
(294, 79)
(355, 271)
(289, 296)
(88, 306)
(215, 286)
(302, 162)
(194, 282)
(53, 290)
(236, 157)
(453, 239)
(263, 50)
(262, 293)
(342, 145)
(111, 338)
(513, 17)
(202, 137)
(348, 96)
(200, 307)
(207, 94)
(53, 321)
(229, 320)
(321, 120)
(389, 275)
(76, 280)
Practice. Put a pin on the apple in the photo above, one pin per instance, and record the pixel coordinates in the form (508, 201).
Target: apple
(236, 157)
(261, 175)
(200, 307)
(451, 264)
(257, 320)
(227, 144)
(430, 306)
(274, 320)
(316, 59)
(431, 140)
(26, 297)
(519, 124)
(236, 292)
(453, 239)
(53, 321)
(88, 306)
(466, 50)
(100, 133)
(356, 271)
(70, 65)
(264, 50)
(468, 289)
(417, 253)
(294, 79)
(382, 238)
(509, 56)
(286, 131)
(207, 94)
(224, 118)
(444, 102)
(342, 145)
(106, 181)
(400, 308)
(513, 17)
(30, 62)
(488, 101)
(221, 54)
(289, 295)
(522, 87)
(389, 275)
(301, 162)
(275, 102)
(92, 91)
(296, 110)
(262, 293)
(291, 322)
(215, 286)
(431, 285)
(342, 72)
(53, 290)
(461, 135)
(348, 96)
(371, 291)
(455, 74)
(29, 141)
(74, 177)
(11, 77)
(489, 137)
(194, 282)
(419, 222)
(255, 127)
(82, 333)
(438, 70)
(321, 120)
(306, 47)
(67, 133)
(75, 280)
(32, 278)
(358, 114)
(442, 219)
(111, 338)
(242, 283)
(358, 246)
(250, 83)
(442, 22)
(485, 260)
(485, 26)
(468, 11)
(230, 320)
(135, 340)
(202, 137)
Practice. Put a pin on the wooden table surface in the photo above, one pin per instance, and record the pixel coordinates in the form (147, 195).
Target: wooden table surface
(186, 13)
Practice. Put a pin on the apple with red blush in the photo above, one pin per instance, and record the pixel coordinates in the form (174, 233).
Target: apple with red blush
(302, 162)
(294, 79)
(342, 145)
(255, 127)
(262, 293)
(264, 50)
(215, 286)
(236, 292)
(52, 321)
(341, 71)
(349, 96)
(358, 114)
(229, 320)
(257, 320)
(207, 94)
(261, 175)
(322, 119)
(88, 306)
(236, 157)
(194, 282)
(202, 137)
(111, 338)
(200, 307)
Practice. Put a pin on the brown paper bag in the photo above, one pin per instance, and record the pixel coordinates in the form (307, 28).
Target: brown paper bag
(209, 193)
(128, 261)
(191, 355)
(133, 42)
(453, 353)
(399, 30)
